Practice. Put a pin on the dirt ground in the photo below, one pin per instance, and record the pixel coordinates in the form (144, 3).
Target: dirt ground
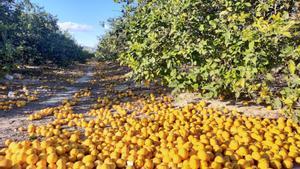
(52, 85)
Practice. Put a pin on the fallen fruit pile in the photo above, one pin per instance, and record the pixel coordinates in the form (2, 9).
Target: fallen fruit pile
(82, 93)
(151, 133)
(8, 105)
(20, 101)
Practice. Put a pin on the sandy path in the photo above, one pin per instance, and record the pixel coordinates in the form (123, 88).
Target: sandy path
(11, 120)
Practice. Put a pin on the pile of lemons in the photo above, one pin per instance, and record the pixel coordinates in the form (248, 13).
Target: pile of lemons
(10, 104)
(82, 93)
(49, 111)
(151, 133)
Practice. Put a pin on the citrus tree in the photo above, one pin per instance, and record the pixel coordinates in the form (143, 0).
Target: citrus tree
(241, 49)
(30, 35)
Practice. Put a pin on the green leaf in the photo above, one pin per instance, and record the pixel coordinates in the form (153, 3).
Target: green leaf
(269, 77)
(213, 23)
(173, 73)
(292, 67)
(248, 4)
(227, 36)
(241, 82)
(251, 45)
(277, 104)
(201, 27)
(195, 86)
(288, 101)
(287, 34)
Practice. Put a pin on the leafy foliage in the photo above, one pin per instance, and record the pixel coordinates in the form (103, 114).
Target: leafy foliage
(112, 43)
(31, 35)
(222, 48)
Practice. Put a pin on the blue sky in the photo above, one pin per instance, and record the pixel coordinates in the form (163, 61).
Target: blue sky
(82, 17)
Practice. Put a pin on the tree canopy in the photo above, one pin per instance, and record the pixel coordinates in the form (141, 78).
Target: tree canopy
(227, 48)
(30, 35)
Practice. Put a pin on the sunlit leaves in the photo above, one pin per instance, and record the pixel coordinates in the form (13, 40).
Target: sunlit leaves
(220, 47)
(292, 66)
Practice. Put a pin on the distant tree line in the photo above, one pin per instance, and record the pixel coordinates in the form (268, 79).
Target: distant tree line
(30, 35)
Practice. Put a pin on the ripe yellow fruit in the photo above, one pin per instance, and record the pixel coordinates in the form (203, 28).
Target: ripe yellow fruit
(297, 160)
(202, 155)
(263, 163)
(216, 165)
(121, 163)
(32, 159)
(256, 155)
(61, 163)
(42, 163)
(74, 138)
(219, 159)
(276, 164)
(233, 145)
(162, 166)
(88, 159)
(52, 158)
(151, 133)
(5, 163)
(288, 163)
(242, 151)
(148, 164)
(106, 166)
(194, 162)
(183, 153)
(176, 159)
(78, 165)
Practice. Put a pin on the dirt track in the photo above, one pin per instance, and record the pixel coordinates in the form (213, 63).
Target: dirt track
(12, 120)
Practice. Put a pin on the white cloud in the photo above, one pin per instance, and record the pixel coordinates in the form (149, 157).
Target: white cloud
(106, 26)
(74, 27)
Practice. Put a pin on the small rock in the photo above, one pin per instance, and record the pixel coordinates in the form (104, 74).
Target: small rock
(2, 87)
(18, 76)
(8, 77)
(11, 94)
